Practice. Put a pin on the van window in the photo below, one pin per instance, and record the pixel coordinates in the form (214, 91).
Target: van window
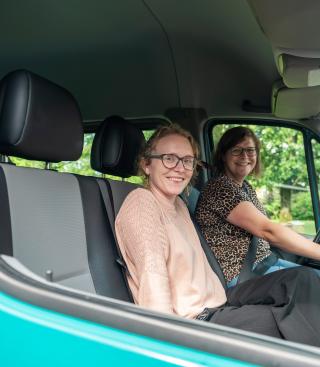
(316, 156)
(82, 165)
(283, 187)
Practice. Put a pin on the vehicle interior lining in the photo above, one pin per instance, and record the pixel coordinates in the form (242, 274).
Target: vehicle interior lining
(132, 51)
(161, 56)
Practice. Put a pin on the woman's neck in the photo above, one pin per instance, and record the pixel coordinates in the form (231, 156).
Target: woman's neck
(238, 181)
(169, 202)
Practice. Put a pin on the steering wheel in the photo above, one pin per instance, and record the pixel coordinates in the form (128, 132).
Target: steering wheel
(306, 260)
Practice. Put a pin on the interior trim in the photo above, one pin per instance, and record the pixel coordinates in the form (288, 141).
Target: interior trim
(217, 339)
(5, 217)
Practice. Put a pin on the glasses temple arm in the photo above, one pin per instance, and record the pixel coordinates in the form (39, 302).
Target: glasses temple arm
(205, 165)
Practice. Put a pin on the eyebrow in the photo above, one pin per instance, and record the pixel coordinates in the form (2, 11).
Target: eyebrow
(238, 146)
(187, 155)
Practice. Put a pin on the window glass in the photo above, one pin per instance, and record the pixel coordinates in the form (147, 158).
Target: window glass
(283, 186)
(316, 157)
(26, 163)
(82, 165)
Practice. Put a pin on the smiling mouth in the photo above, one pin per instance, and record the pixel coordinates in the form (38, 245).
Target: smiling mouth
(176, 179)
(244, 164)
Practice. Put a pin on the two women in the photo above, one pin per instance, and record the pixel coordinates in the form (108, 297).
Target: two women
(229, 212)
(169, 271)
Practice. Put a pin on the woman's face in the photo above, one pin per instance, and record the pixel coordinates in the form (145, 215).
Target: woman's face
(169, 182)
(240, 160)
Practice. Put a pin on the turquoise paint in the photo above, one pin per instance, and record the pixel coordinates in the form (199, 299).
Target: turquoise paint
(32, 336)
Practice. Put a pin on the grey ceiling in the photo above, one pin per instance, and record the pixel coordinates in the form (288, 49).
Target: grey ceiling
(138, 58)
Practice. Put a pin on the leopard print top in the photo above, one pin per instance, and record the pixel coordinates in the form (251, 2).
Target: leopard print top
(228, 242)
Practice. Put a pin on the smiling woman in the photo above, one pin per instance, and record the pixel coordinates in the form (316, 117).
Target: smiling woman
(229, 212)
(241, 160)
(169, 175)
(167, 163)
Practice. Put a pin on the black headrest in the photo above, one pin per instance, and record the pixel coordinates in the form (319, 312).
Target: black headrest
(116, 146)
(38, 119)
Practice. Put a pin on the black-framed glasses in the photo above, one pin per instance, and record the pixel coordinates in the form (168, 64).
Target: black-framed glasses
(250, 151)
(172, 160)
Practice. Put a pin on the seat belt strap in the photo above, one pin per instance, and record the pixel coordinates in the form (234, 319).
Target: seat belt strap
(246, 272)
(108, 204)
(213, 262)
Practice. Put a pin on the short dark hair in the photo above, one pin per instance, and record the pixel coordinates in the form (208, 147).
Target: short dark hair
(230, 139)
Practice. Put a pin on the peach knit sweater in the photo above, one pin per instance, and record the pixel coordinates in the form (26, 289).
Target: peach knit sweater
(168, 269)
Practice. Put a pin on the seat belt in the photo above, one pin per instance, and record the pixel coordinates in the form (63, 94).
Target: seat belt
(246, 272)
(108, 204)
(213, 262)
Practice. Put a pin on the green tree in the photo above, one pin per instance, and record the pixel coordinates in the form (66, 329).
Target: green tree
(82, 166)
(301, 206)
(283, 158)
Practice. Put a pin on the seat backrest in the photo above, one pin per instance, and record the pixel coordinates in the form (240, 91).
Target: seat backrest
(54, 223)
(191, 199)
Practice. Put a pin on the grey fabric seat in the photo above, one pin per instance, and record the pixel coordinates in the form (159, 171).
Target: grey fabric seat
(54, 223)
(192, 199)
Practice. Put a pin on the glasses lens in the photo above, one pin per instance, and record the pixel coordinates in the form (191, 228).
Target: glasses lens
(236, 151)
(188, 162)
(251, 151)
(169, 160)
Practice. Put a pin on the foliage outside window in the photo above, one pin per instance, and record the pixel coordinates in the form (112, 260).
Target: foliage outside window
(283, 187)
(316, 157)
(82, 165)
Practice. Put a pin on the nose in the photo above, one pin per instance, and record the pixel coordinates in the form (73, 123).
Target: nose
(179, 167)
(244, 152)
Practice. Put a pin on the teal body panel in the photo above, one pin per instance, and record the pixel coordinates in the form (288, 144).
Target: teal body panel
(32, 336)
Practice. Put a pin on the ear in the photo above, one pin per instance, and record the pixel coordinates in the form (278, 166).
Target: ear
(145, 167)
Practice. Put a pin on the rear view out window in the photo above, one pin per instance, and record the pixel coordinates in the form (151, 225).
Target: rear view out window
(81, 166)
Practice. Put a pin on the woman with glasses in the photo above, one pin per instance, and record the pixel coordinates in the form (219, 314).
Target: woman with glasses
(229, 212)
(169, 272)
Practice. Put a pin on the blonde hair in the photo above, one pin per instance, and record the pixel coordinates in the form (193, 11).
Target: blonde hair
(161, 132)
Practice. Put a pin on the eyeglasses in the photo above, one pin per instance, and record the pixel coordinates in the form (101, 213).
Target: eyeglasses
(172, 160)
(250, 151)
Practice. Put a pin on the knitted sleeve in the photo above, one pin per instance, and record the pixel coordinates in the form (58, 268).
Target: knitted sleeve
(142, 232)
